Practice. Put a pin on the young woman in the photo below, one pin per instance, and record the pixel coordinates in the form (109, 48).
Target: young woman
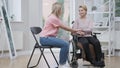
(85, 25)
(50, 30)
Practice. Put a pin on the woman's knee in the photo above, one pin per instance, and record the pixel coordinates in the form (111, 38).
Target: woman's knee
(85, 43)
(66, 44)
(96, 43)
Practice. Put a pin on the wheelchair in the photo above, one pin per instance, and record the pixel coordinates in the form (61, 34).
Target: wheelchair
(76, 52)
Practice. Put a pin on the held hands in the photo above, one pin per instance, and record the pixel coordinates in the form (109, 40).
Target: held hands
(74, 32)
(81, 33)
(78, 32)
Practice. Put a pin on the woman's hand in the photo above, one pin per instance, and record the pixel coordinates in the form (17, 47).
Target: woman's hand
(75, 32)
(80, 32)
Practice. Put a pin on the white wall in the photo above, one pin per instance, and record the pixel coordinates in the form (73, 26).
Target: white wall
(35, 18)
(14, 9)
(17, 10)
(117, 34)
(35, 11)
(31, 14)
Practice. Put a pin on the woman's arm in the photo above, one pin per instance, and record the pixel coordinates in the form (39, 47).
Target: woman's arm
(75, 26)
(68, 28)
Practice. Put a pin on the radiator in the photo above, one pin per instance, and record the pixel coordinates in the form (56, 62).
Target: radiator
(18, 41)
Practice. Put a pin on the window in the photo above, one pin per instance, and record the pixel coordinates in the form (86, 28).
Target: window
(117, 8)
(14, 9)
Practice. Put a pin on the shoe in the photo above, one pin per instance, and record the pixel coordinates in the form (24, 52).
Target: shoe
(98, 63)
(94, 63)
(74, 64)
(101, 63)
(67, 65)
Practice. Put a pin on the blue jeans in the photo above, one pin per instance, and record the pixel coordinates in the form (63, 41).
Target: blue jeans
(56, 42)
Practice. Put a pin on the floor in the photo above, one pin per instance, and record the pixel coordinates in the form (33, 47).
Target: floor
(21, 62)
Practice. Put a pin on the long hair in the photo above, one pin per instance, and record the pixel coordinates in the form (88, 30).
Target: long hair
(56, 9)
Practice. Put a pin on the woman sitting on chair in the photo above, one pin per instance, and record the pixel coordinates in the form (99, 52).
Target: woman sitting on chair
(50, 31)
(85, 38)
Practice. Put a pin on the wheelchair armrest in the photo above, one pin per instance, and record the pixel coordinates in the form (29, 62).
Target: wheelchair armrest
(95, 33)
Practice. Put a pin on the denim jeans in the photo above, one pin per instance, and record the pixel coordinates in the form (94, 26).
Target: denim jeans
(56, 42)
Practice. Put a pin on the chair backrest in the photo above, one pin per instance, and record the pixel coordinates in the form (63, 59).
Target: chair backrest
(35, 31)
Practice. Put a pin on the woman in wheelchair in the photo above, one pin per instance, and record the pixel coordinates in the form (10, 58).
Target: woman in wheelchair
(85, 38)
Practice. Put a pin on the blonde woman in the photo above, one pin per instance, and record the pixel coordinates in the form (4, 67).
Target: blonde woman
(85, 25)
(50, 31)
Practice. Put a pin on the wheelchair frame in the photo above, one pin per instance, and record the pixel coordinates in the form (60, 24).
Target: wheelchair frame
(72, 59)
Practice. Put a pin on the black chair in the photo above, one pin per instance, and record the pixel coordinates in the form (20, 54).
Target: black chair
(35, 31)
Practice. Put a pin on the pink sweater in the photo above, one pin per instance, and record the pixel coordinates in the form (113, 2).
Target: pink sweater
(51, 26)
(86, 26)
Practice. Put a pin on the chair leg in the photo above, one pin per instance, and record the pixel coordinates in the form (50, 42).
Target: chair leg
(54, 56)
(44, 57)
(30, 58)
(38, 60)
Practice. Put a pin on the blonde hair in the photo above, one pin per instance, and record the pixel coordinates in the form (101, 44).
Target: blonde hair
(56, 8)
(84, 7)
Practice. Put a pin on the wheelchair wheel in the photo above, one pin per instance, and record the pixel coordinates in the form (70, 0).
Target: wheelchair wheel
(70, 56)
(72, 60)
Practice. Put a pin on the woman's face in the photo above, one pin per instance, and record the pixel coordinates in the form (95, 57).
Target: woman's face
(82, 12)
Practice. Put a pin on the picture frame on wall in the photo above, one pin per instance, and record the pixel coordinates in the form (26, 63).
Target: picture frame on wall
(8, 31)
